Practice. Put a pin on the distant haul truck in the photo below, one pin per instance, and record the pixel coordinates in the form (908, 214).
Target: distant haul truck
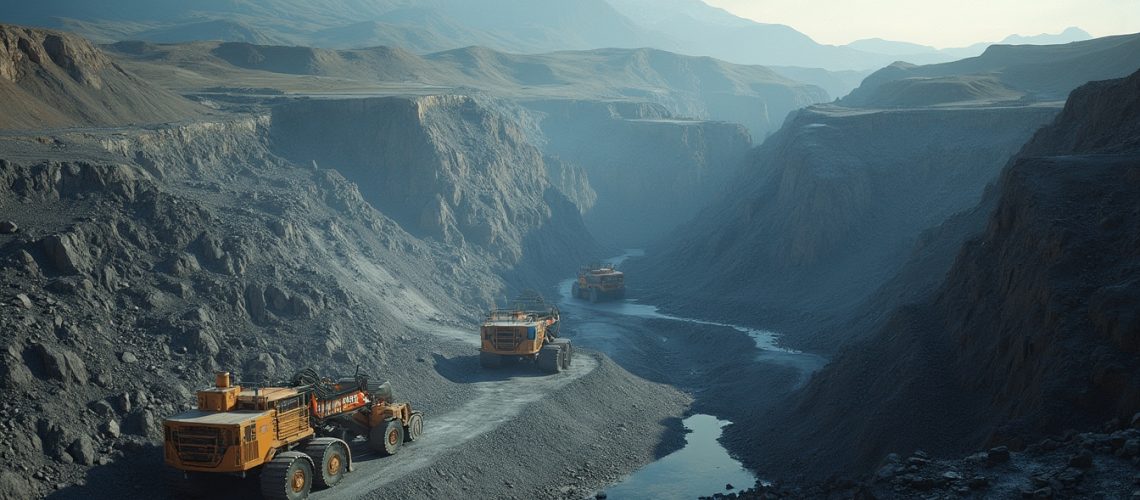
(598, 282)
(296, 435)
(528, 330)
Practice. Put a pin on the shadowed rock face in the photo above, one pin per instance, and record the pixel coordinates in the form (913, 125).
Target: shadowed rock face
(829, 207)
(649, 170)
(52, 79)
(1033, 329)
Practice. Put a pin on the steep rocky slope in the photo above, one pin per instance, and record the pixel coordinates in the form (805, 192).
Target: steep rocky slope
(828, 209)
(453, 168)
(1002, 73)
(1033, 330)
(54, 79)
(649, 170)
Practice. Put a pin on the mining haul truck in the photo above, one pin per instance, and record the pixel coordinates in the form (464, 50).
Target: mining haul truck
(528, 330)
(296, 436)
(599, 282)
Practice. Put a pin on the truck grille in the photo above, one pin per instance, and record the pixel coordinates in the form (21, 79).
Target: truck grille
(504, 339)
(200, 445)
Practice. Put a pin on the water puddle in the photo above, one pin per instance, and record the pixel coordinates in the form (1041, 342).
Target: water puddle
(701, 468)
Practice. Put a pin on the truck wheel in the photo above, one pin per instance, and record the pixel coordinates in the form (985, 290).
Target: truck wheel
(330, 458)
(550, 359)
(490, 360)
(386, 438)
(593, 295)
(289, 476)
(567, 352)
(415, 427)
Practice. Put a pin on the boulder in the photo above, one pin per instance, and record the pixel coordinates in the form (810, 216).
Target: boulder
(8, 227)
(61, 364)
(128, 357)
(1130, 448)
(276, 299)
(141, 423)
(201, 341)
(1082, 460)
(23, 301)
(110, 428)
(101, 408)
(13, 370)
(68, 253)
(997, 455)
(54, 439)
(255, 303)
(83, 451)
(15, 485)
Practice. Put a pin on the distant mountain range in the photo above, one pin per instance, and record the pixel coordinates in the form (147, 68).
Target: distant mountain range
(924, 54)
(688, 27)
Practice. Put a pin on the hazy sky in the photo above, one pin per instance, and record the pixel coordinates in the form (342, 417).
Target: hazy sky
(939, 23)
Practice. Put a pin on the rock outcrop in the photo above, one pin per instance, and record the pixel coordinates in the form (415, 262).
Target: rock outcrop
(1033, 329)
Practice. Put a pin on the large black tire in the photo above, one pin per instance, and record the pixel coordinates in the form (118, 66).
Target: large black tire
(386, 438)
(550, 358)
(330, 459)
(415, 427)
(490, 360)
(567, 351)
(593, 295)
(289, 476)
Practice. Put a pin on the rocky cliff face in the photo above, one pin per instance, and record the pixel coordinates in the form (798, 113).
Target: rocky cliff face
(53, 79)
(829, 207)
(450, 168)
(1034, 328)
(649, 169)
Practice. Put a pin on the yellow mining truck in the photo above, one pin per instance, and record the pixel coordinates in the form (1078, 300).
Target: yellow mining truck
(296, 435)
(528, 330)
(599, 282)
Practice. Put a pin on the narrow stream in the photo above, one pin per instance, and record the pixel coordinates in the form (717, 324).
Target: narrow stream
(702, 467)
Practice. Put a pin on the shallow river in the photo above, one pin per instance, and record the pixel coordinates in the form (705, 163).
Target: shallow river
(702, 467)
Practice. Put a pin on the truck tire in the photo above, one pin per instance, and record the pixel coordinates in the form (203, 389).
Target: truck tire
(385, 438)
(330, 460)
(415, 427)
(490, 360)
(593, 295)
(567, 352)
(289, 476)
(550, 358)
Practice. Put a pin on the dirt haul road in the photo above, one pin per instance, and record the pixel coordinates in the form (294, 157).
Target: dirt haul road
(500, 397)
